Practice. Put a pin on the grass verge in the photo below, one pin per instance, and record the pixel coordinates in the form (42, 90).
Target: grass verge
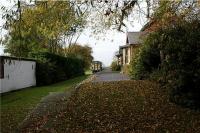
(16, 105)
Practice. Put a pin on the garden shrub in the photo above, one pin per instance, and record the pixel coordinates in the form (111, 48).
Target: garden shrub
(179, 71)
(146, 60)
(115, 66)
(181, 47)
(51, 68)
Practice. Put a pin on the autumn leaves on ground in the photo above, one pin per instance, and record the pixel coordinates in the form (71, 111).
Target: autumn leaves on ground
(123, 106)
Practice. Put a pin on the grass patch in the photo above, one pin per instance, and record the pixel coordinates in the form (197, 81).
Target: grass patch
(88, 72)
(124, 106)
(16, 105)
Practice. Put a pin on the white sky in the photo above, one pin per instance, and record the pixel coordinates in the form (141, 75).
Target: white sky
(104, 47)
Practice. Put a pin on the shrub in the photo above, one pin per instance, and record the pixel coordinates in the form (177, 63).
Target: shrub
(115, 66)
(181, 47)
(126, 69)
(180, 68)
(53, 68)
(146, 60)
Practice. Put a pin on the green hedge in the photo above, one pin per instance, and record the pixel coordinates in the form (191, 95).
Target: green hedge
(53, 68)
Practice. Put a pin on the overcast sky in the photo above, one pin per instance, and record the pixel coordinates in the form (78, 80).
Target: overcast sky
(105, 46)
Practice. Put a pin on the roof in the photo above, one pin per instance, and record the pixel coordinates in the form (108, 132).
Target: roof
(96, 62)
(124, 46)
(118, 53)
(147, 25)
(133, 38)
(16, 58)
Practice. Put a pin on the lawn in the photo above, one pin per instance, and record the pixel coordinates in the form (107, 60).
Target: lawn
(16, 105)
(124, 106)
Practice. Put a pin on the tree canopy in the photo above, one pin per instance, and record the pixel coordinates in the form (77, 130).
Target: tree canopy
(53, 23)
(81, 52)
(40, 27)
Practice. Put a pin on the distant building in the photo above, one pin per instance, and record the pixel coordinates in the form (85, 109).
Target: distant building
(16, 73)
(96, 66)
(126, 52)
(133, 41)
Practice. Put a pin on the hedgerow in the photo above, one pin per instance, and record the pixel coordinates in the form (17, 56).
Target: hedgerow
(52, 68)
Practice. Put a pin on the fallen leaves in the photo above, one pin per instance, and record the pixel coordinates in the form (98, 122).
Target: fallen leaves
(123, 106)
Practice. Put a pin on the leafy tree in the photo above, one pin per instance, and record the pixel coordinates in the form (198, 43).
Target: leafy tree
(50, 21)
(105, 14)
(81, 52)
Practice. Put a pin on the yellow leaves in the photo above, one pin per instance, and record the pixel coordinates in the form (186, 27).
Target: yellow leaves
(51, 20)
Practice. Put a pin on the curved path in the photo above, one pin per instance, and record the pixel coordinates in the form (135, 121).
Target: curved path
(108, 75)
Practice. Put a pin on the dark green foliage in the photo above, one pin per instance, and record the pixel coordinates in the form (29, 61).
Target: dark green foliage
(81, 52)
(180, 67)
(147, 59)
(115, 66)
(181, 47)
(52, 68)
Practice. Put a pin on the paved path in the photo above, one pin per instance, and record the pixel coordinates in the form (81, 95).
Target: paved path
(56, 102)
(108, 75)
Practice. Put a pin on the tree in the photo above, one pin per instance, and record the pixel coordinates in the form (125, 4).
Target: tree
(116, 13)
(106, 14)
(50, 21)
(81, 52)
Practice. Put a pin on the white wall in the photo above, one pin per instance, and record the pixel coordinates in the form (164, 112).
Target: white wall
(129, 55)
(18, 74)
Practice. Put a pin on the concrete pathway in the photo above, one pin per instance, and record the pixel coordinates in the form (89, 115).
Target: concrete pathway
(108, 75)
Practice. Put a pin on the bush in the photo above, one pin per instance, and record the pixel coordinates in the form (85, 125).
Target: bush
(181, 47)
(126, 69)
(53, 68)
(146, 60)
(115, 66)
(180, 68)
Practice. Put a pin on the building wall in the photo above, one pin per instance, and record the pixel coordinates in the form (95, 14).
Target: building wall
(18, 74)
(129, 55)
(123, 55)
(119, 60)
(134, 49)
(128, 49)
